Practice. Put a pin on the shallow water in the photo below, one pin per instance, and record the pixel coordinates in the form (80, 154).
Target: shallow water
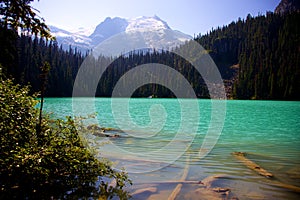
(159, 149)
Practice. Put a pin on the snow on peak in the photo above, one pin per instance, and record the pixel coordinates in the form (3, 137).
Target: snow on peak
(145, 24)
(83, 31)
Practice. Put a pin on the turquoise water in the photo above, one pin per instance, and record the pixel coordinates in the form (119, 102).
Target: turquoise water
(159, 149)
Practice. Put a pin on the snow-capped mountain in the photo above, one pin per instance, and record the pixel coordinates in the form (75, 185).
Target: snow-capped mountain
(74, 39)
(151, 32)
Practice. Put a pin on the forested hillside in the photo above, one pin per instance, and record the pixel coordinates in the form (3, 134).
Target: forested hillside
(265, 49)
(126, 62)
(258, 58)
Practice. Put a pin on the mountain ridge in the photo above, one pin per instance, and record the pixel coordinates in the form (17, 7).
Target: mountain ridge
(114, 26)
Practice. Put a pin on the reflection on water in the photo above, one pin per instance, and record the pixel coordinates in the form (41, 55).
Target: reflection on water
(267, 130)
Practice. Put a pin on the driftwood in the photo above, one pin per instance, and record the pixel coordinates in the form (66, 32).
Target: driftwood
(100, 132)
(286, 186)
(149, 189)
(208, 181)
(218, 189)
(179, 186)
(208, 194)
(223, 192)
(213, 193)
(204, 189)
(174, 182)
(252, 165)
(175, 192)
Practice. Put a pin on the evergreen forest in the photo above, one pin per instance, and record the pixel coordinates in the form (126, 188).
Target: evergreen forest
(258, 58)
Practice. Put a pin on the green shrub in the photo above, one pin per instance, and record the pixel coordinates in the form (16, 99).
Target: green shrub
(54, 163)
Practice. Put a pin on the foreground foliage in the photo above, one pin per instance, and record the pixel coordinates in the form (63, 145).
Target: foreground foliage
(52, 164)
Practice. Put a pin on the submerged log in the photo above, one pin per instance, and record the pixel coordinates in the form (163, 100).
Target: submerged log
(94, 127)
(208, 181)
(143, 190)
(177, 190)
(205, 190)
(176, 182)
(102, 134)
(205, 193)
(213, 193)
(252, 165)
(287, 186)
(218, 189)
(221, 190)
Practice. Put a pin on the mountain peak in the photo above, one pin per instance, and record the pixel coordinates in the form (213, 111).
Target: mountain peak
(145, 24)
(107, 28)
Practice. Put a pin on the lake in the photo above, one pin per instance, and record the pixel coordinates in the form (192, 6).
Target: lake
(167, 149)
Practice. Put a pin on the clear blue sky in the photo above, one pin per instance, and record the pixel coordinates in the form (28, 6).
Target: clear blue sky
(188, 16)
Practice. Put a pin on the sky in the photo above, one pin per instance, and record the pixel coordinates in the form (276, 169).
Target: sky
(188, 16)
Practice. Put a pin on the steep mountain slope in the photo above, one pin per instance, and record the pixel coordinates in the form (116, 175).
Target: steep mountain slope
(108, 28)
(286, 6)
